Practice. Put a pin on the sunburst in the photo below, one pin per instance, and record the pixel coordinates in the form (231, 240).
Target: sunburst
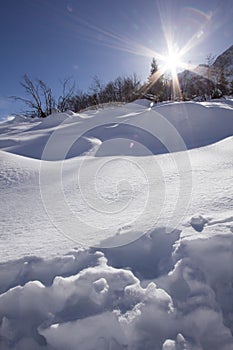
(171, 63)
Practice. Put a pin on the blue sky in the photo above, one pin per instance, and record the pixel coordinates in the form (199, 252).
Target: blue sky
(55, 39)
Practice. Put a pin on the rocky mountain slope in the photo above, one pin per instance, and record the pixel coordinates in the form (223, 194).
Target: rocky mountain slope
(204, 79)
(225, 61)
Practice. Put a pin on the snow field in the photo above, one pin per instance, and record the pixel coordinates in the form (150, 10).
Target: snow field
(112, 242)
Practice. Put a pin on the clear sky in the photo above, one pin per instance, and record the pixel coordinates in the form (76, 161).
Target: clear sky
(55, 39)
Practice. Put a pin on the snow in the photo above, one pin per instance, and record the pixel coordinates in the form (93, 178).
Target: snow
(117, 229)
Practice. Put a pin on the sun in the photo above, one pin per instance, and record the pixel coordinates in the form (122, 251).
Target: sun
(172, 61)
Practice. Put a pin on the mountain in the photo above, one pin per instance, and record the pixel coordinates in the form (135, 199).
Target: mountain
(225, 59)
(194, 83)
(225, 62)
(205, 79)
(202, 69)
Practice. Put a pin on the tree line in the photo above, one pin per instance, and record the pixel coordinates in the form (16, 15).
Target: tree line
(213, 84)
(41, 102)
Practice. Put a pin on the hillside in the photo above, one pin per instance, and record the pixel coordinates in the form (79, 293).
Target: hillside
(117, 229)
(225, 60)
(203, 78)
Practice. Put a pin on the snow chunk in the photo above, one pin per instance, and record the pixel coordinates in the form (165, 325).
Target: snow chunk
(198, 222)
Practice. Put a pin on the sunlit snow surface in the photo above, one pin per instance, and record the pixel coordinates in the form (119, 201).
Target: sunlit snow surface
(121, 237)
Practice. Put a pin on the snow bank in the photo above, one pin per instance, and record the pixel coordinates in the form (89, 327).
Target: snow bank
(148, 256)
(136, 129)
(186, 305)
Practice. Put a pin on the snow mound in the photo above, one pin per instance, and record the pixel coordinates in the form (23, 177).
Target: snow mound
(118, 199)
(140, 128)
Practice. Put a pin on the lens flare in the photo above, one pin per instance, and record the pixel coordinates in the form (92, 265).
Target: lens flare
(172, 61)
(205, 24)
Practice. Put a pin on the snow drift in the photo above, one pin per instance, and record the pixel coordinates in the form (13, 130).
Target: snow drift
(111, 239)
(198, 124)
(98, 306)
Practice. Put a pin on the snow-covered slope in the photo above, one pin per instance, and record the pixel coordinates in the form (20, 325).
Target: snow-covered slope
(117, 229)
(133, 122)
(204, 78)
(225, 61)
(195, 82)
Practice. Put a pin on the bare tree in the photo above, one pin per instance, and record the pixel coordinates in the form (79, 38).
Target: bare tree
(96, 90)
(68, 87)
(49, 100)
(40, 99)
(78, 102)
(130, 87)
